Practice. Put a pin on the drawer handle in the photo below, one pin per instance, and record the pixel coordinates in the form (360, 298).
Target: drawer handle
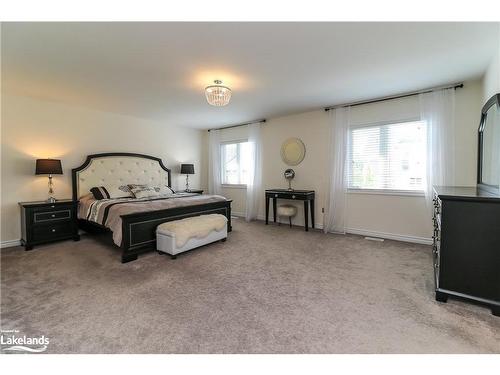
(293, 196)
(52, 206)
(53, 215)
(276, 195)
(53, 230)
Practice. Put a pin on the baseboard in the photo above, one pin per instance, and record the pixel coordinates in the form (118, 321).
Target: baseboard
(10, 243)
(372, 233)
(390, 236)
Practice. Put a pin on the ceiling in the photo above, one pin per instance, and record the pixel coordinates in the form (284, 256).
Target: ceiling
(158, 71)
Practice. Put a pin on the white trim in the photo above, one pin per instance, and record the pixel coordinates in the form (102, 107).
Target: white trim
(390, 236)
(10, 243)
(233, 186)
(407, 193)
(381, 123)
(368, 233)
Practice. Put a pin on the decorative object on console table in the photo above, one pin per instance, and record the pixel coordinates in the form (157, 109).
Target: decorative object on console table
(187, 169)
(466, 249)
(289, 176)
(49, 167)
(43, 222)
(302, 195)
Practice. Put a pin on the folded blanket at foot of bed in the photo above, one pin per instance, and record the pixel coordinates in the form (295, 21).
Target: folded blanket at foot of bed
(192, 227)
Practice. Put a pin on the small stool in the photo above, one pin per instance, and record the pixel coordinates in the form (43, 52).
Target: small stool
(288, 211)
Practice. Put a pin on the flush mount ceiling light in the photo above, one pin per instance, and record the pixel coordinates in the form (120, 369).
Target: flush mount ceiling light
(218, 95)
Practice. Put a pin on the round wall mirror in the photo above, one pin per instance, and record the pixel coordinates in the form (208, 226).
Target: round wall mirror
(293, 151)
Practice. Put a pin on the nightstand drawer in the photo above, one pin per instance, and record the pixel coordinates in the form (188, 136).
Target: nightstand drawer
(49, 231)
(41, 217)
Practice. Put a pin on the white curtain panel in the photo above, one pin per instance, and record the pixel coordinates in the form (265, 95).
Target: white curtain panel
(335, 216)
(254, 184)
(437, 109)
(214, 161)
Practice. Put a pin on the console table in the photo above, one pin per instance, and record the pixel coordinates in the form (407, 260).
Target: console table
(301, 195)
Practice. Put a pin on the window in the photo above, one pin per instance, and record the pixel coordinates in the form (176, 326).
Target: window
(235, 162)
(388, 156)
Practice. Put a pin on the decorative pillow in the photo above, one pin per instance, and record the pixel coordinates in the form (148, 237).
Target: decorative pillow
(111, 192)
(143, 191)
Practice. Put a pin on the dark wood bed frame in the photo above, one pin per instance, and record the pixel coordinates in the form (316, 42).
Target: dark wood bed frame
(139, 229)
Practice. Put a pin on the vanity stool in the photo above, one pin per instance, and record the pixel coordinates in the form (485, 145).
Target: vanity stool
(288, 211)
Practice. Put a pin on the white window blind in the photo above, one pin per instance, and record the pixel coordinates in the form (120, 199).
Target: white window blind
(388, 156)
(235, 163)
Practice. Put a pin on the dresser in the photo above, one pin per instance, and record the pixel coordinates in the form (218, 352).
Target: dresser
(466, 248)
(43, 222)
(298, 195)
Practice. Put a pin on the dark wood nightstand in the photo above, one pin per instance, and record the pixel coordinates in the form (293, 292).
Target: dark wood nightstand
(195, 191)
(43, 222)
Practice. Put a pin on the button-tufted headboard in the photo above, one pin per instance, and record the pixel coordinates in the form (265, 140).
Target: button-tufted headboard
(117, 169)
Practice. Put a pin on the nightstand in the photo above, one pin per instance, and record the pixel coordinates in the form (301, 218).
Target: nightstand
(195, 191)
(43, 222)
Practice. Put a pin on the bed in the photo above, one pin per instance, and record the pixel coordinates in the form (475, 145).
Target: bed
(132, 222)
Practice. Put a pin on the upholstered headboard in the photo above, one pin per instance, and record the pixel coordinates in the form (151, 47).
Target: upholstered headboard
(118, 168)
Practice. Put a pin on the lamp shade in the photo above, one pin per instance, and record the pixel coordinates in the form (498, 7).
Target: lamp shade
(187, 168)
(48, 166)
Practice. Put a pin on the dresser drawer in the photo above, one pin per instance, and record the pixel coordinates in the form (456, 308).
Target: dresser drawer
(49, 231)
(42, 217)
(288, 196)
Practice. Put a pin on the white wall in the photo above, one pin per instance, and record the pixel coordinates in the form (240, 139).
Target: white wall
(491, 79)
(380, 214)
(33, 128)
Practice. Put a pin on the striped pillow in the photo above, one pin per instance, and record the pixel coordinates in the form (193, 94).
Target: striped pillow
(100, 192)
(111, 192)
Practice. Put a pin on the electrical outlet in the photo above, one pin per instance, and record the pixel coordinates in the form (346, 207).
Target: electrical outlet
(322, 210)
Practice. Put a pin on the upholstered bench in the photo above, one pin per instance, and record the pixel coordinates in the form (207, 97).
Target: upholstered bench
(174, 237)
(287, 210)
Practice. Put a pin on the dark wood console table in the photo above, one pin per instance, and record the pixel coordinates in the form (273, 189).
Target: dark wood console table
(301, 195)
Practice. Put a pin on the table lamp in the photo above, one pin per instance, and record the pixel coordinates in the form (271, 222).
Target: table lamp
(187, 169)
(50, 167)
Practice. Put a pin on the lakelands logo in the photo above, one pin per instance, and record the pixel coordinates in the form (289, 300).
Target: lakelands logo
(12, 341)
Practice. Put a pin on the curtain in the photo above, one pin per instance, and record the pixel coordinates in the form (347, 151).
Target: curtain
(437, 109)
(335, 217)
(254, 184)
(214, 171)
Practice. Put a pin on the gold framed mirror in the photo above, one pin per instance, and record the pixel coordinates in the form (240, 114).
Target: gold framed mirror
(293, 151)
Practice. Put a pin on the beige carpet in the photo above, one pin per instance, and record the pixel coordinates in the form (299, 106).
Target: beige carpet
(268, 289)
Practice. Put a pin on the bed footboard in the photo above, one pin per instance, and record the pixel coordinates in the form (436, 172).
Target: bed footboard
(139, 229)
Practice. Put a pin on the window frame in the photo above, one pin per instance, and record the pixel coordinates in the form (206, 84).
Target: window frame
(370, 191)
(221, 161)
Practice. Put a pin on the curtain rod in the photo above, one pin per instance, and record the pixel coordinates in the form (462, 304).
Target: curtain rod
(454, 86)
(235, 126)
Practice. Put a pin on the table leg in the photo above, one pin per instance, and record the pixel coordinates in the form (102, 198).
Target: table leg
(306, 215)
(312, 213)
(274, 208)
(267, 210)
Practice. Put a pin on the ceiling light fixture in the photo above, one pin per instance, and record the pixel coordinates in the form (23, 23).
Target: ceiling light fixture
(218, 95)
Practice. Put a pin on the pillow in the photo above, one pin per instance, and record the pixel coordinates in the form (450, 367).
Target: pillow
(111, 192)
(143, 191)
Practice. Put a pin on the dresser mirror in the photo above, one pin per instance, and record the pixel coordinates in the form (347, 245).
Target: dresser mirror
(293, 151)
(489, 146)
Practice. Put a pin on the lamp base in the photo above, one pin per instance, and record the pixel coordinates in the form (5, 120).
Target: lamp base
(51, 200)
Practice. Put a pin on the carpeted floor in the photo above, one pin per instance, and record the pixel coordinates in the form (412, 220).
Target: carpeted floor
(268, 289)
